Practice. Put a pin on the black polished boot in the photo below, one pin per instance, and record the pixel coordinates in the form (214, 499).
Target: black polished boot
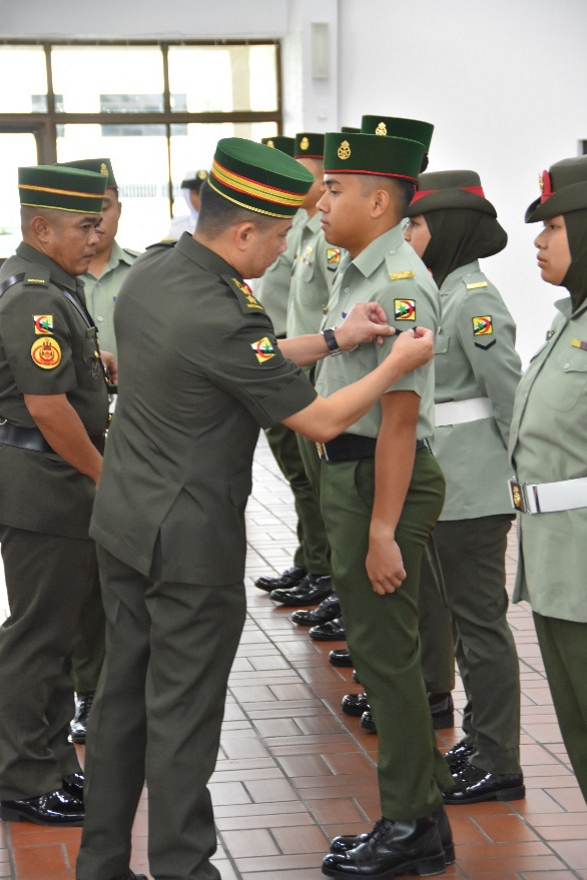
(340, 657)
(288, 578)
(310, 591)
(327, 610)
(355, 704)
(333, 631)
(458, 756)
(57, 808)
(473, 785)
(77, 728)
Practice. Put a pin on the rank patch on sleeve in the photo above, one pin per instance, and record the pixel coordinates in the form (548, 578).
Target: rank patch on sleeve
(43, 324)
(263, 349)
(46, 353)
(404, 309)
(246, 291)
(332, 257)
(482, 325)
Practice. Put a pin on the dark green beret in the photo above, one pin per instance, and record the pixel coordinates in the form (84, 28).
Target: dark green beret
(280, 142)
(98, 166)
(450, 189)
(370, 154)
(61, 188)
(259, 178)
(195, 180)
(564, 189)
(413, 129)
(309, 145)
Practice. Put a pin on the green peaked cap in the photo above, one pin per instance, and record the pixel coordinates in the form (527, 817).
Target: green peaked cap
(99, 166)
(350, 129)
(396, 126)
(564, 189)
(450, 189)
(280, 142)
(349, 153)
(61, 188)
(309, 145)
(259, 178)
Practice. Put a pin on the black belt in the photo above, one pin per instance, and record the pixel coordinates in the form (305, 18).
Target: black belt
(33, 440)
(352, 447)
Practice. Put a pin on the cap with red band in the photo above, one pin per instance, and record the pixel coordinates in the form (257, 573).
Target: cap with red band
(450, 189)
(563, 190)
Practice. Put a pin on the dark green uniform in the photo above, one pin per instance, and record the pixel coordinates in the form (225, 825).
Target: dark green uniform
(47, 347)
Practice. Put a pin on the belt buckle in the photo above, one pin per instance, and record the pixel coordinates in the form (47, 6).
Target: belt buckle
(3, 422)
(321, 450)
(518, 496)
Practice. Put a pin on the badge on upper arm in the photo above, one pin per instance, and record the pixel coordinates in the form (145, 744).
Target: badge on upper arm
(43, 324)
(263, 349)
(332, 258)
(404, 309)
(482, 327)
(46, 353)
(244, 295)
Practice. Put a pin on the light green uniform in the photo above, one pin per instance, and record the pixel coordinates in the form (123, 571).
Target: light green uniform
(101, 293)
(272, 290)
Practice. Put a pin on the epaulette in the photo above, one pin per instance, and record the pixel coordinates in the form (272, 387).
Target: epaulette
(391, 264)
(37, 276)
(245, 296)
(475, 281)
(165, 242)
(131, 253)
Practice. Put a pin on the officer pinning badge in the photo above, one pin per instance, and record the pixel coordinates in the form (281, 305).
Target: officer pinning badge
(332, 257)
(399, 276)
(46, 353)
(43, 324)
(404, 309)
(578, 343)
(482, 325)
(344, 151)
(263, 350)
(381, 129)
(248, 298)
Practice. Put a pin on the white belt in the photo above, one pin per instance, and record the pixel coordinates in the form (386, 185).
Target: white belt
(548, 497)
(455, 412)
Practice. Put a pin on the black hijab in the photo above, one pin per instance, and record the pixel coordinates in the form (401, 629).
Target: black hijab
(576, 278)
(459, 236)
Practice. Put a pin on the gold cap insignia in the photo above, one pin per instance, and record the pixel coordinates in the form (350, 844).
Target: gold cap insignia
(103, 169)
(541, 182)
(381, 128)
(270, 144)
(344, 151)
(304, 143)
(202, 175)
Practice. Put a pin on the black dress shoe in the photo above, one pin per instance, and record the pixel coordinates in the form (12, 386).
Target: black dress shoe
(355, 704)
(340, 657)
(73, 784)
(392, 848)
(310, 591)
(54, 808)
(77, 728)
(458, 756)
(442, 709)
(333, 631)
(288, 578)
(350, 841)
(327, 610)
(473, 785)
(355, 677)
(368, 722)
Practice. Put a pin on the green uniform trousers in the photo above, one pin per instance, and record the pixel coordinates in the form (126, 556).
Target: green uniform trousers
(47, 579)
(382, 631)
(313, 552)
(563, 644)
(156, 718)
(88, 651)
(436, 627)
(472, 556)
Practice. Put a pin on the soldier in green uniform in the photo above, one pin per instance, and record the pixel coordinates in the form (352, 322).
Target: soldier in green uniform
(382, 492)
(452, 226)
(201, 370)
(53, 414)
(547, 447)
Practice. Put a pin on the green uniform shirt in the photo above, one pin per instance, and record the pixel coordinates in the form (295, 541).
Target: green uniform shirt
(547, 444)
(200, 371)
(313, 272)
(388, 272)
(272, 290)
(475, 357)
(101, 293)
(46, 347)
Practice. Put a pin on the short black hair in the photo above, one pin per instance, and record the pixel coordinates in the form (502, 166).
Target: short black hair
(218, 214)
(403, 189)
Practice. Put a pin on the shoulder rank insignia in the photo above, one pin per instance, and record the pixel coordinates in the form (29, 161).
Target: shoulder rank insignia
(43, 324)
(165, 242)
(404, 309)
(399, 276)
(46, 353)
(578, 343)
(263, 349)
(247, 294)
(332, 257)
(482, 325)
(476, 285)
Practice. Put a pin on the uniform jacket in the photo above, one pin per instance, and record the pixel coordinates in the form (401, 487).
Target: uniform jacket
(272, 290)
(313, 272)
(101, 293)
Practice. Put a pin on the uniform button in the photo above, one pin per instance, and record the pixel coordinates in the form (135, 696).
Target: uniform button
(392, 252)
(347, 290)
(566, 367)
(100, 318)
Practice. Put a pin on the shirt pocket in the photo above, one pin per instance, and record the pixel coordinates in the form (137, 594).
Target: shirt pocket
(564, 383)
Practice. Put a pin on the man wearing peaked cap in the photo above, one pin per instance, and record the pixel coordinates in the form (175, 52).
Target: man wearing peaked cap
(280, 142)
(381, 493)
(396, 126)
(53, 414)
(190, 186)
(452, 226)
(200, 371)
(547, 449)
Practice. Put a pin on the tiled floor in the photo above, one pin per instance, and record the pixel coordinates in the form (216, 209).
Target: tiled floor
(293, 771)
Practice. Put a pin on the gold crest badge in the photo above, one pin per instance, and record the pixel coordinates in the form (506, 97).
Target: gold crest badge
(270, 144)
(304, 144)
(104, 169)
(381, 129)
(46, 353)
(202, 175)
(344, 151)
(541, 182)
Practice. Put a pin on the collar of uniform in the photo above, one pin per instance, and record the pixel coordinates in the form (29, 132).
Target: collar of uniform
(458, 273)
(371, 257)
(203, 256)
(58, 274)
(119, 255)
(313, 223)
(565, 306)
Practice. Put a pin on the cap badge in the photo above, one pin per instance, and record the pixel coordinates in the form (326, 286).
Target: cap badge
(202, 175)
(104, 169)
(545, 186)
(381, 128)
(304, 144)
(344, 151)
(270, 143)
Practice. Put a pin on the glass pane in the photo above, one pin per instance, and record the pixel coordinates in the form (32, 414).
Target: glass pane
(16, 150)
(108, 79)
(23, 67)
(139, 160)
(208, 79)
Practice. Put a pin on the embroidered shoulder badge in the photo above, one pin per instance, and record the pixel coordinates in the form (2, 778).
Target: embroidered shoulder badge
(263, 349)
(43, 324)
(404, 309)
(249, 297)
(46, 353)
(332, 257)
(482, 325)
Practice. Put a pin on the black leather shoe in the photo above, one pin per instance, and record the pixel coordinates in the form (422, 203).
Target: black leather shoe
(333, 631)
(350, 841)
(355, 677)
(327, 610)
(73, 784)
(458, 756)
(291, 577)
(355, 704)
(77, 728)
(340, 657)
(473, 785)
(368, 722)
(391, 849)
(442, 709)
(310, 591)
(54, 808)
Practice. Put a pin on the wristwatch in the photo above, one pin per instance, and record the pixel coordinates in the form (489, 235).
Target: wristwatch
(330, 339)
